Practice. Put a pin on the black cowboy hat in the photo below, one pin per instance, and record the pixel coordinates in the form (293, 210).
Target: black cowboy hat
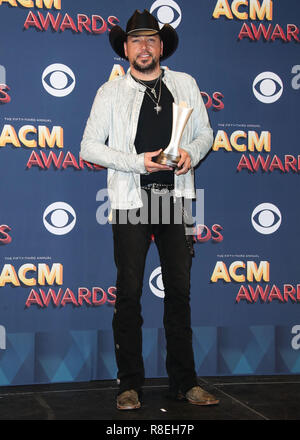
(143, 23)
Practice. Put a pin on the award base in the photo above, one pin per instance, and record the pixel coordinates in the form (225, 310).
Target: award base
(167, 159)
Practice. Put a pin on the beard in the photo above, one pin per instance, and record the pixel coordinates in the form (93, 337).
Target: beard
(148, 68)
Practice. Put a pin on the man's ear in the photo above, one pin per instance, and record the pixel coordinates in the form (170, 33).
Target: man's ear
(161, 48)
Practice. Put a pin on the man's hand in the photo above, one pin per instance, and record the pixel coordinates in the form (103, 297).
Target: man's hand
(151, 166)
(184, 163)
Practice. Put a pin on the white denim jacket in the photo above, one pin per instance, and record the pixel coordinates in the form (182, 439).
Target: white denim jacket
(109, 135)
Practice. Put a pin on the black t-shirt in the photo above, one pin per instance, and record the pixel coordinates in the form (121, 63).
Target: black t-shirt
(155, 129)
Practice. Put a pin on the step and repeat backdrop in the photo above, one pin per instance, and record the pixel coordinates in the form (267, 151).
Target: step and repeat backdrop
(57, 274)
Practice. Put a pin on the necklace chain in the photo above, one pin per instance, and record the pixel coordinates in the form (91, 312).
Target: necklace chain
(157, 107)
(152, 89)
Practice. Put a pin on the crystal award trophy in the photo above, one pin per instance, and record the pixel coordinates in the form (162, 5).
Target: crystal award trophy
(170, 156)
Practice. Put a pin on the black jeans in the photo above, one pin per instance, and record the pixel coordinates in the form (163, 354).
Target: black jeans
(131, 244)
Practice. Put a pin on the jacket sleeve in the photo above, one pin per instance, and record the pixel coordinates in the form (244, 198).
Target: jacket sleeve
(202, 131)
(93, 147)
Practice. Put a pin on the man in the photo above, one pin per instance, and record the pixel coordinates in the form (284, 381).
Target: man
(134, 115)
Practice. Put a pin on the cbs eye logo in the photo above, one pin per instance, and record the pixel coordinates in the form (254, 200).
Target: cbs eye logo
(166, 11)
(59, 218)
(266, 218)
(156, 283)
(58, 80)
(267, 87)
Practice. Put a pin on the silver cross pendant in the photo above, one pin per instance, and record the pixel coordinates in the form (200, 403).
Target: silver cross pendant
(157, 108)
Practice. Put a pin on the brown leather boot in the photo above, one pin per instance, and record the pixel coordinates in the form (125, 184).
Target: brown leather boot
(128, 400)
(197, 396)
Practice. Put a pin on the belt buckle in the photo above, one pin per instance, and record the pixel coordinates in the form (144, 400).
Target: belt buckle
(160, 191)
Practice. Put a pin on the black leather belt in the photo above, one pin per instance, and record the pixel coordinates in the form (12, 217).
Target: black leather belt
(159, 186)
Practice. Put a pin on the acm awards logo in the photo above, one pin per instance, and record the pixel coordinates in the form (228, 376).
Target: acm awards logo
(255, 10)
(59, 219)
(267, 88)
(254, 276)
(257, 276)
(254, 279)
(95, 24)
(42, 137)
(59, 81)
